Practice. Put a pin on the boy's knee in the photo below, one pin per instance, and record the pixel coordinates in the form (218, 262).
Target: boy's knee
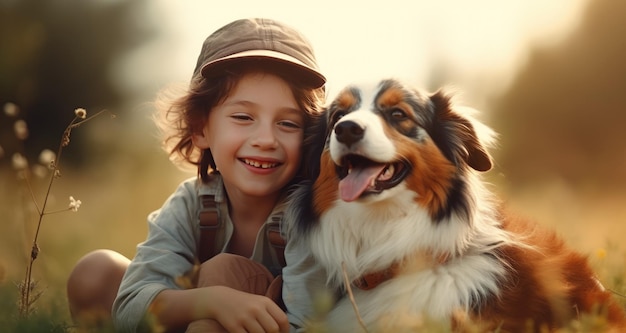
(94, 281)
(225, 260)
(220, 270)
(97, 268)
(236, 272)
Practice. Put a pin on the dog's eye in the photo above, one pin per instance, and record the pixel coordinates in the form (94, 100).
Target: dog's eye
(337, 115)
(398, 114)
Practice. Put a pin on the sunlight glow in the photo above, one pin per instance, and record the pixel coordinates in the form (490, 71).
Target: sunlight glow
(476, 45)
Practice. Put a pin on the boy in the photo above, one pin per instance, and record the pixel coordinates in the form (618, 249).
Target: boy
(255, 91)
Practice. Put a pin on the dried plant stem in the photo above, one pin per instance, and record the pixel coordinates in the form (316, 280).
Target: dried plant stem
(615, 292)
(351, 296)
(32, 193)
(34, 252)
(57, 211)
(28, 286)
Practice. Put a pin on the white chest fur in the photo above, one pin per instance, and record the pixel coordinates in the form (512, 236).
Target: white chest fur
(365, 238)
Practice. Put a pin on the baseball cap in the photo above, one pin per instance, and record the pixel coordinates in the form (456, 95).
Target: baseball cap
(263, 41)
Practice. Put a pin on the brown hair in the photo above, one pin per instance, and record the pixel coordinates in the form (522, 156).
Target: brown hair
(179, 118)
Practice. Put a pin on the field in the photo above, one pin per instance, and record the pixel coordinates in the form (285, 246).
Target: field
(117, 196)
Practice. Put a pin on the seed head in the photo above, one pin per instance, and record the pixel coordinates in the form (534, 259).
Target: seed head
(74, 204)
(21, 129)
(11, 110)
(46, 157)
(39, 171)
(34, 252)
(80, 113)
(19, 162)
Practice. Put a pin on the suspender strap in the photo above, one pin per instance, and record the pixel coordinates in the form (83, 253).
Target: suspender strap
(210, 221)
(276, 239)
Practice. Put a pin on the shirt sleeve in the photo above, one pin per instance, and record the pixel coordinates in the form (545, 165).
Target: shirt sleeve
(304, 286)
(167, 253)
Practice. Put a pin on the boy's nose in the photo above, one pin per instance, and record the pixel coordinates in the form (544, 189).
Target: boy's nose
(265, 137)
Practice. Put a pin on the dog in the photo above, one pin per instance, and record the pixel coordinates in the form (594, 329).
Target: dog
(399, 207)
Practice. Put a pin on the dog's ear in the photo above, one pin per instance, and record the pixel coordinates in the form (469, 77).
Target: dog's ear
(299, 214)
(477, 156)
(313, 145)
(456, 135)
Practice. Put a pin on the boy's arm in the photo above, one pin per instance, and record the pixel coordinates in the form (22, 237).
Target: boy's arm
(305, 293)
(167, 253)
(233, 309)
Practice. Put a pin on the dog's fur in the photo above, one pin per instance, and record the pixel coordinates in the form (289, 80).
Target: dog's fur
(399, 202)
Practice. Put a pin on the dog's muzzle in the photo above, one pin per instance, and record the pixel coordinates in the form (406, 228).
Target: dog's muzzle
(360, 175)
(348, 132)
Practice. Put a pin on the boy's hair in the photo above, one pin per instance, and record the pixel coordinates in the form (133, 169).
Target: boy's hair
(239, 48)
(180, 118)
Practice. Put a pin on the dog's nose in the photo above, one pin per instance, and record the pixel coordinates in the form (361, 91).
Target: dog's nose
(348, 132)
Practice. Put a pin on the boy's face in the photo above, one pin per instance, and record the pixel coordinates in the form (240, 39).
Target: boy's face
(255, 136)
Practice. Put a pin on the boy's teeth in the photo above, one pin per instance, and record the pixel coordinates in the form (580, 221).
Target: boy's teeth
(256, 164)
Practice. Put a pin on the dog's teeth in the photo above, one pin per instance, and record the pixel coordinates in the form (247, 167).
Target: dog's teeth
(390, 170)
(387, 173)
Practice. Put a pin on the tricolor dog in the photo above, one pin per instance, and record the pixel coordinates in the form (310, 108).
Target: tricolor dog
(399, 206)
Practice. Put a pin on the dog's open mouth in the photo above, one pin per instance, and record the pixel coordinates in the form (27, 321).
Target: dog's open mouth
(361, 176)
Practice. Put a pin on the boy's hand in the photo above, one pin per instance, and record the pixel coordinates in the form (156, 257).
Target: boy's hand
(239, 311)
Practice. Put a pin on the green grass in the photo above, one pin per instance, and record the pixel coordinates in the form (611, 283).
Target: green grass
(115, 207)
(118, 193)
(45, 317)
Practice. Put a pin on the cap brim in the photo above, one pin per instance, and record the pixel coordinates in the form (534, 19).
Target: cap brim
(306, 74)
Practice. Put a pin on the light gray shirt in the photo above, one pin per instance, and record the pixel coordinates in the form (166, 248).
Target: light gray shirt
(171, 246)
(305, 293)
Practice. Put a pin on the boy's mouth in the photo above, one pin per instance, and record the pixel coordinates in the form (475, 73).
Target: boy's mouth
(259, 164)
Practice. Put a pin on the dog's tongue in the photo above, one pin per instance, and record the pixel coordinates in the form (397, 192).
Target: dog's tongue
(357, 181)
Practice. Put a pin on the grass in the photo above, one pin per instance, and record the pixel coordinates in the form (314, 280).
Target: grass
(41, 240)
(118, 193)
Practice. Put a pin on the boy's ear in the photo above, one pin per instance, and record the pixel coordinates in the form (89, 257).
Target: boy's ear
(201, 139)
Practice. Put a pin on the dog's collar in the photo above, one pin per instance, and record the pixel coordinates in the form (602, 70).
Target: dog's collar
(372, 280)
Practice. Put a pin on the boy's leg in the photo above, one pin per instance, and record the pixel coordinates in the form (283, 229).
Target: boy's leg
(275, 292)
(92, 287)
(236, 272)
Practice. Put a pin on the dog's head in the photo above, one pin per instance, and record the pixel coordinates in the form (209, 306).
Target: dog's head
(396, 138)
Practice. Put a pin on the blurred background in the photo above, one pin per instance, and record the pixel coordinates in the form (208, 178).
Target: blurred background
(548, 76)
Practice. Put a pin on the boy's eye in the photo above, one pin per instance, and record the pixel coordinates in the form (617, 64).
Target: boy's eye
(289, 124)
(241, 117)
